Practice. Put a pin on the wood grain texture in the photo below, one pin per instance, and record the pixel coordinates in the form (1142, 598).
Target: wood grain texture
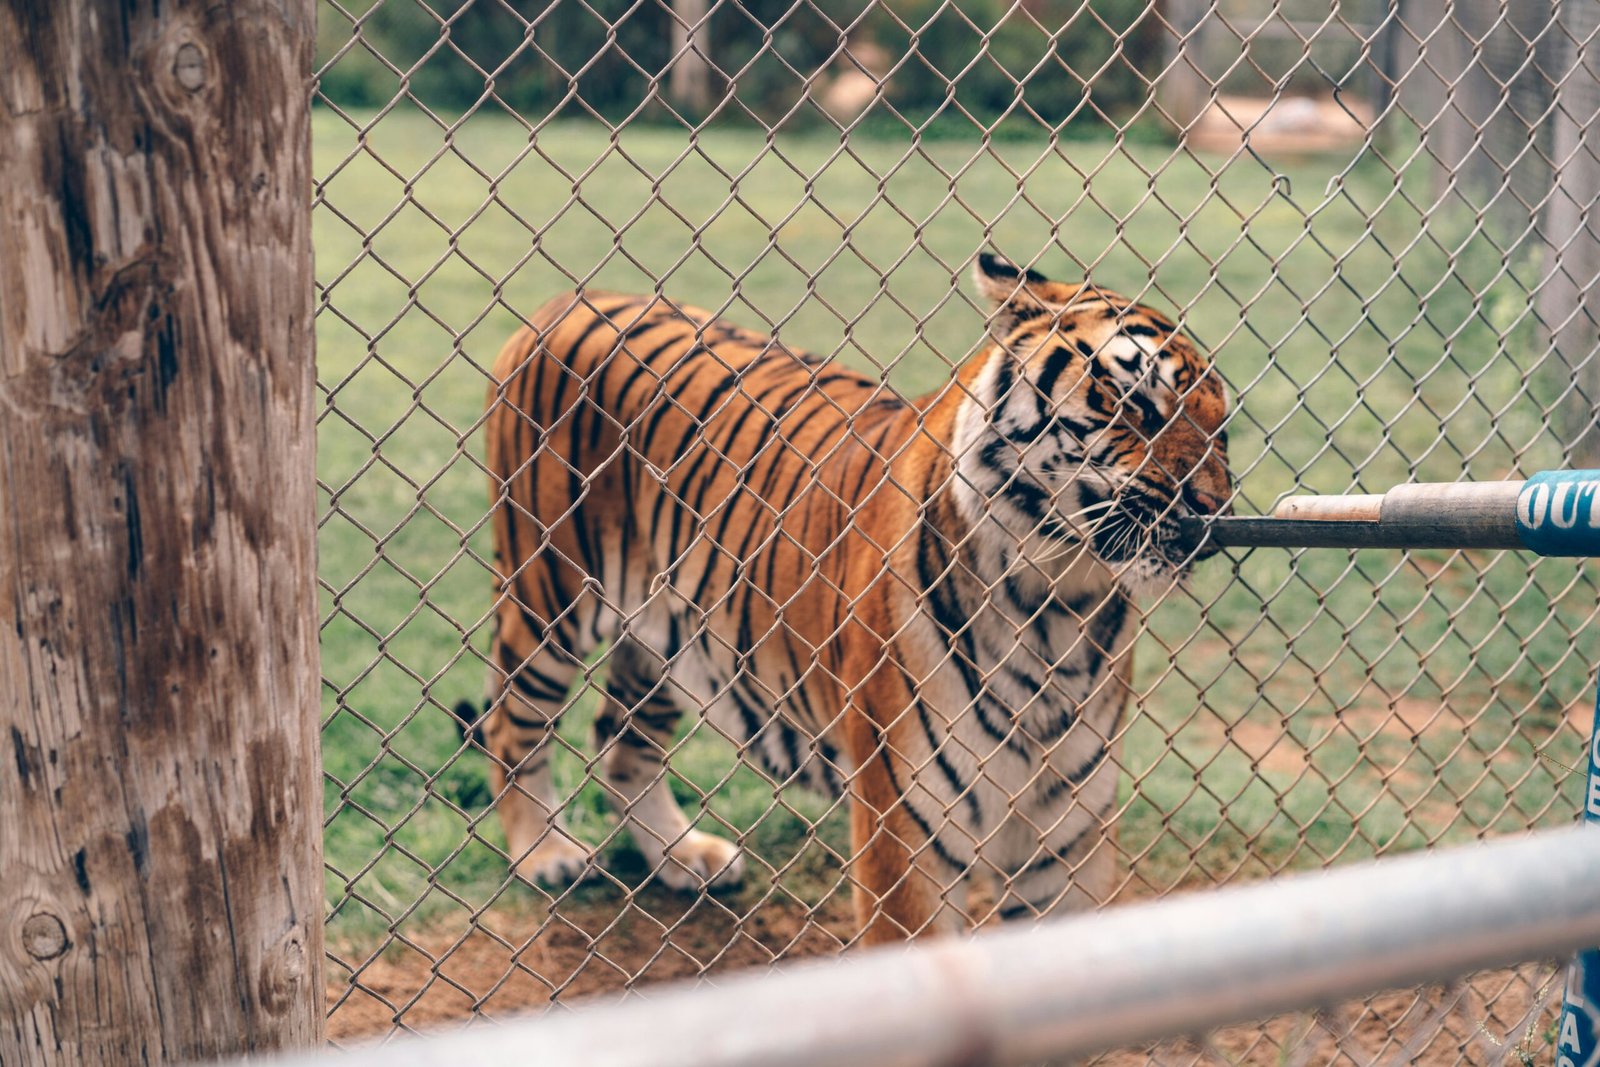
(160, 869)
(1361, 507)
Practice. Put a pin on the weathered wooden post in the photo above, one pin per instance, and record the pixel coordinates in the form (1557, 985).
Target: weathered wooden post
(1183, 89)
(160, 874)
(1569, 293)
(689, 83)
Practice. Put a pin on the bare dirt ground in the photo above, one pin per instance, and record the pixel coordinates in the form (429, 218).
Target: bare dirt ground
(517, 963)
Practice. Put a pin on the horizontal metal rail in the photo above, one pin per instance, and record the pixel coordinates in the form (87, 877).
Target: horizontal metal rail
(1553, 514)
(1075, 986)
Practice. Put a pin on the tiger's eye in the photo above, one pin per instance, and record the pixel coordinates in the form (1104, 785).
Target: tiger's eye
(1151, 421)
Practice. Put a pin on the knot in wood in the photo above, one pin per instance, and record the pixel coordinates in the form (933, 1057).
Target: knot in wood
(43, 936)
(284, 974)
(189, 67)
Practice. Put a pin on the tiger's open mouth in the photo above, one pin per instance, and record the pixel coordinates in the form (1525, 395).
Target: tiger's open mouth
(1146, 541)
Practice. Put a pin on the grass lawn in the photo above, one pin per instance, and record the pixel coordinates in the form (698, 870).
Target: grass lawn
(1297, 709)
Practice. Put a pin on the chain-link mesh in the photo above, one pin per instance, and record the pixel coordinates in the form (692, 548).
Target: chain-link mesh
(1375, 216)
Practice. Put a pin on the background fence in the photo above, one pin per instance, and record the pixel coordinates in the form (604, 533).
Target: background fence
(1376, 217)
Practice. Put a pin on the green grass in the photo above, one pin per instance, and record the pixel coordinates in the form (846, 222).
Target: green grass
(1365, 345)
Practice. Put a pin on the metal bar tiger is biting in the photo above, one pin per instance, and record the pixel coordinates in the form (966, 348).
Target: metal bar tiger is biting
(924, 604)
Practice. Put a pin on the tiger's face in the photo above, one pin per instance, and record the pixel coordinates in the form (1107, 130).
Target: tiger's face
(1090, 430)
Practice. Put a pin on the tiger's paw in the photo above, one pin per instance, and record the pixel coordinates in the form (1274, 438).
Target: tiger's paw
(701, 862)
(556, 862)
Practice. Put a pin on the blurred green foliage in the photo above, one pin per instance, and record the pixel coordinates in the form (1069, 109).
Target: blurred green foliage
(982, 62)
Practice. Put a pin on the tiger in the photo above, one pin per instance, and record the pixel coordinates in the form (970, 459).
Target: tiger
(927, 605)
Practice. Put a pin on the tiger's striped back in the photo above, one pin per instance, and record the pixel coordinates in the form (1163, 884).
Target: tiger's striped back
(692, 481)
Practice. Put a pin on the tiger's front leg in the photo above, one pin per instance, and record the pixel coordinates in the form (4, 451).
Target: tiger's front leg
(902, 884)
(899, 890)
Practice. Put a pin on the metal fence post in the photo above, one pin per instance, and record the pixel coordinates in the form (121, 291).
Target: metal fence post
(160, 830)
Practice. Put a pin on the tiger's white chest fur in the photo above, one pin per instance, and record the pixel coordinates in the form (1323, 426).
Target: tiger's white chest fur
(1018, 707)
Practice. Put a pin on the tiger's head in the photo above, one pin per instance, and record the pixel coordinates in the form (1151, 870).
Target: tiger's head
(1090, 428)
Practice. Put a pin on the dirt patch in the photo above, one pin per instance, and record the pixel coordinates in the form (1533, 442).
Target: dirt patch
(1269, 746)
(1580, 713)
(1375, 713)
(517, 963)
(1371, 717)
(517, 960)
(1485, 1019)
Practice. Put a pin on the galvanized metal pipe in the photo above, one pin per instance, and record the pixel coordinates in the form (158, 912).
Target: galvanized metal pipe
(1075, 986)
(1554, 513)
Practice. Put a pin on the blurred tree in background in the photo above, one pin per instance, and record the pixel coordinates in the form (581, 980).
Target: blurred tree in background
(1024, 66)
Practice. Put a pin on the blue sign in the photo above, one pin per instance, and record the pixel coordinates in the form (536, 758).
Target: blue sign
(1558, 513)
(1578, 1040)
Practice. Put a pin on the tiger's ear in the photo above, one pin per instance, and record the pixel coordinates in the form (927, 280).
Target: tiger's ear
(1016, 292)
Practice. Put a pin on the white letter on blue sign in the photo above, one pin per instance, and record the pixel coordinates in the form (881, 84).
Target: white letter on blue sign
(1562, 516)
(1533, 502)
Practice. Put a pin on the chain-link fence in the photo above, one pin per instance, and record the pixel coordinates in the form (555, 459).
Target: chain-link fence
(1374, 217)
